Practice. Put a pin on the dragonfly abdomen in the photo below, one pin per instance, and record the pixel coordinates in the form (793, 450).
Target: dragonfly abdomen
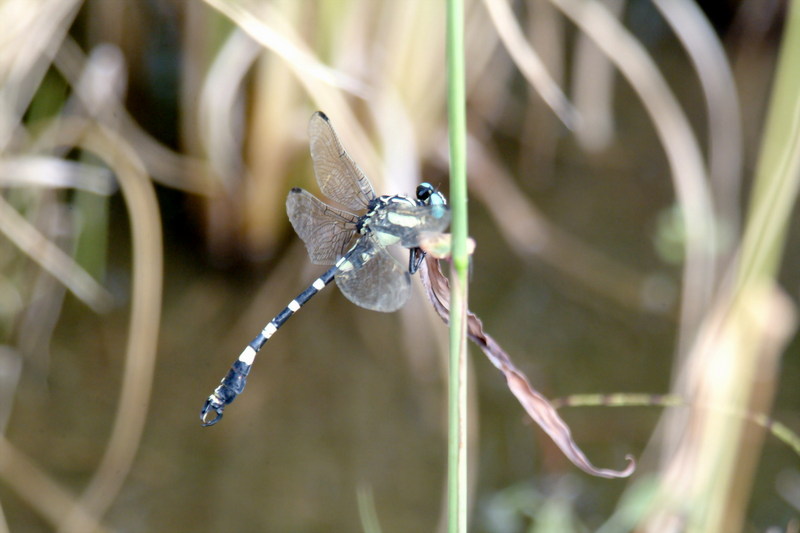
(235, 380)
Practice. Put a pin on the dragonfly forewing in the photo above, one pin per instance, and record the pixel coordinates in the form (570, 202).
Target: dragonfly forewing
(338, 176)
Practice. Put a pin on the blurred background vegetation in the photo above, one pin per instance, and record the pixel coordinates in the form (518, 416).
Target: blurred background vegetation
(146, 149)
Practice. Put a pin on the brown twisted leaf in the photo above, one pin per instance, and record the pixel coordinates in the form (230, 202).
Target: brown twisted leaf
(534, 403)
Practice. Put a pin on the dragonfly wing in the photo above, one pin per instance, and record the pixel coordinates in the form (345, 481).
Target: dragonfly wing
(376, 281)
(410, 223)
(325, 230)
(338, 176)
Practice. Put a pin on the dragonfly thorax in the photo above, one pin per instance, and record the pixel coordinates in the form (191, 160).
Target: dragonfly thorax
(378, 208)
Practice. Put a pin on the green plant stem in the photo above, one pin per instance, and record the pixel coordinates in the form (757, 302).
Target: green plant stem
(457, 390)
(776, 178)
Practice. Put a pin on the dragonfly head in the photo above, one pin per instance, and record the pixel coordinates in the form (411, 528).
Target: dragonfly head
(428, 195)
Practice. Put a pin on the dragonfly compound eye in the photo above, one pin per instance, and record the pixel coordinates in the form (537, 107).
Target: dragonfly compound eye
(424, 191)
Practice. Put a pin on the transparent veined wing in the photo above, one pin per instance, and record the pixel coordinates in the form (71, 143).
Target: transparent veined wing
(376, 281)
(338, 176)
(410, 222)
(326, 231)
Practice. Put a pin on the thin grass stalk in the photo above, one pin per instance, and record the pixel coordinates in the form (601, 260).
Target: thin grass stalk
(457, 390)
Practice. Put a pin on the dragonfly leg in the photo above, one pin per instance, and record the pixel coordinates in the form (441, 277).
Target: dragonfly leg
(415, 258)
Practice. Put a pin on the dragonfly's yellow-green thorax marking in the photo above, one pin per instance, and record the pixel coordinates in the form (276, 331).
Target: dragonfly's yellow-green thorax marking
(406, 221)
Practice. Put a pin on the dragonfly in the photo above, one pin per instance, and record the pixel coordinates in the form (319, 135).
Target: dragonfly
(355, 244)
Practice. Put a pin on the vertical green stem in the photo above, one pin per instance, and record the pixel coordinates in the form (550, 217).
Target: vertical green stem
(456, 102)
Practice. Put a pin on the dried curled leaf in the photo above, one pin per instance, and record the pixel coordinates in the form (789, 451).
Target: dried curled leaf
(534, 403)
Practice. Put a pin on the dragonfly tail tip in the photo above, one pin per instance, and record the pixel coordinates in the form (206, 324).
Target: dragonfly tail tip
(212, 404)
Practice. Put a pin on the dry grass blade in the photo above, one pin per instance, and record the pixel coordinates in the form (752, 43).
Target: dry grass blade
(33, 485)
(10, 372)
(140, 351)
(51, 258)
(592, 91)
(31, 32)
(328, 88)
(682, 151)
(166, 166)
(33, 170)
(536, 405)
(279, 37)
(725, 144)
(529, 62)
(757, 322)
(218, 105)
